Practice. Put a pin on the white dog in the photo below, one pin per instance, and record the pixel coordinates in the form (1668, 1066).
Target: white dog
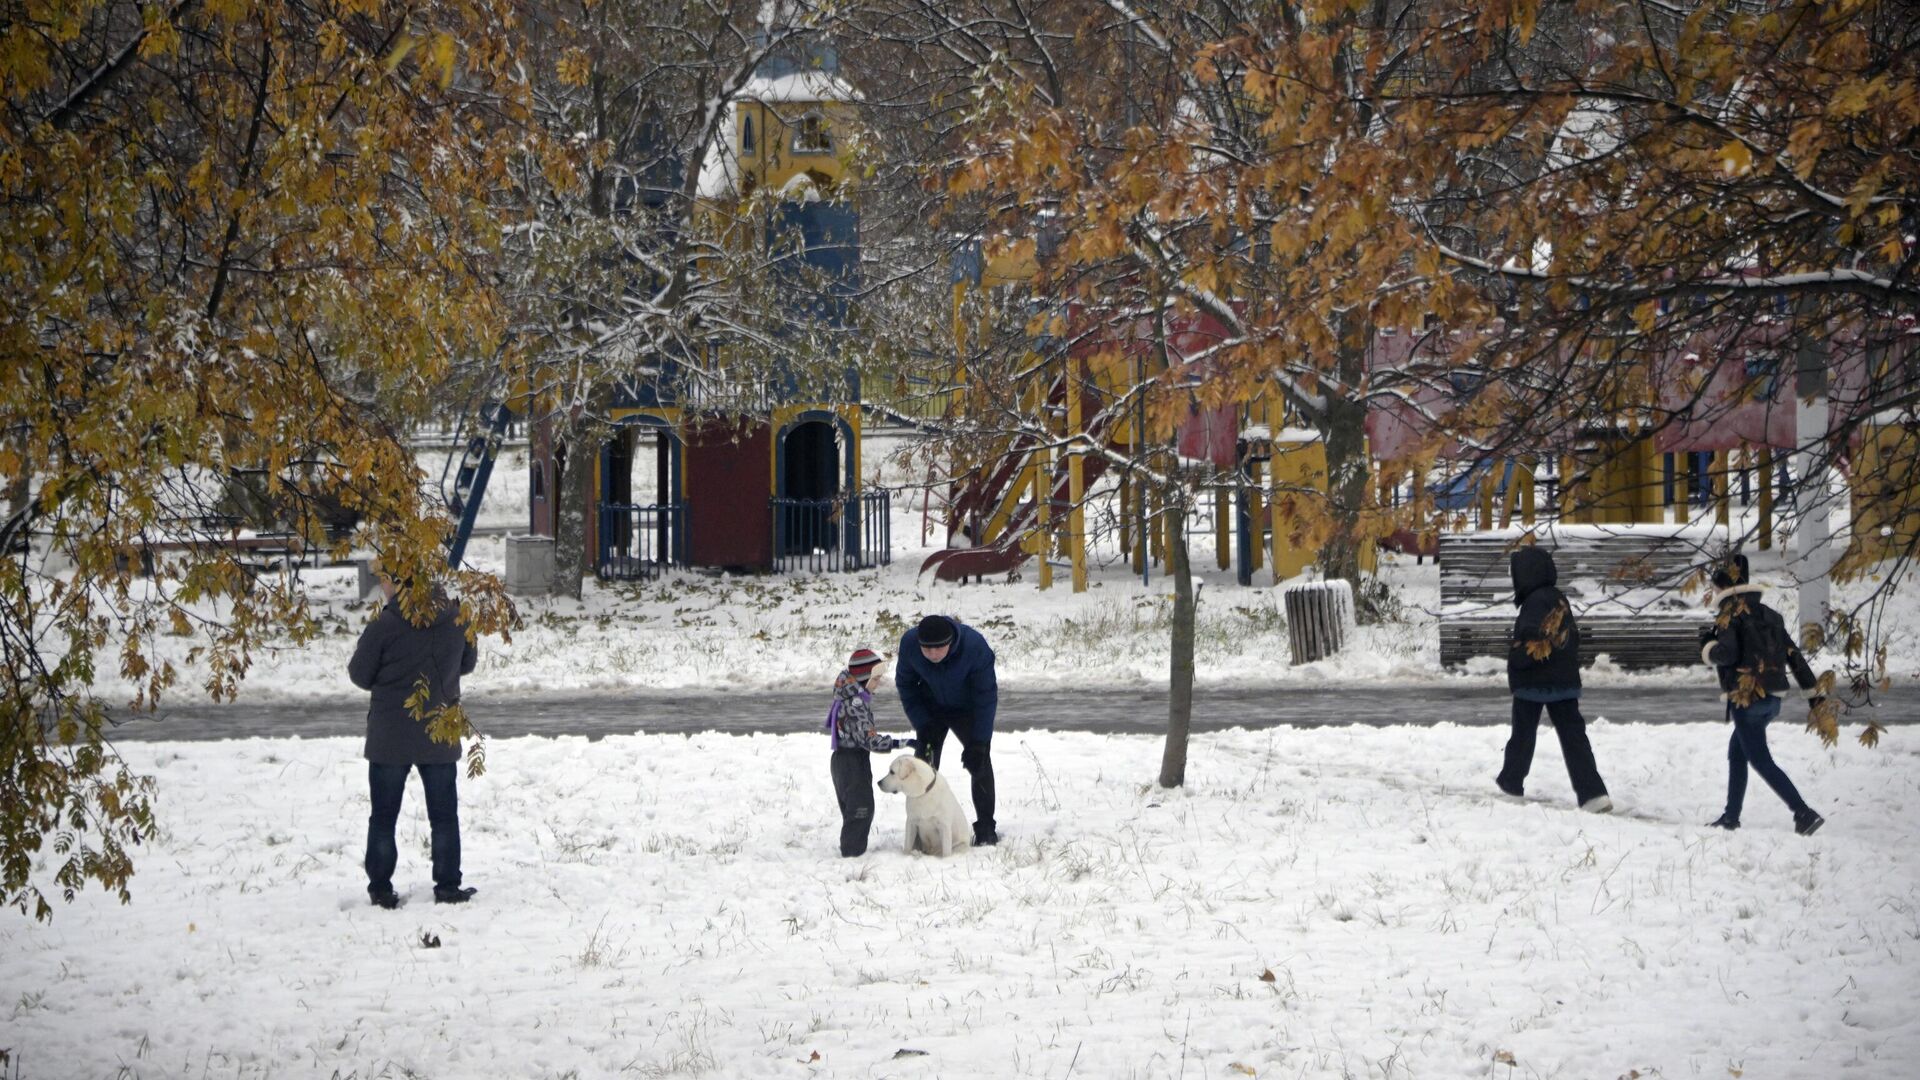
(935, 822)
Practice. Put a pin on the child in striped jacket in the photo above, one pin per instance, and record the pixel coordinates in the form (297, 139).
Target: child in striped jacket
(850, 728)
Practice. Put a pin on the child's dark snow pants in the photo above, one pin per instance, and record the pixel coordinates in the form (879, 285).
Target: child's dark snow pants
(853, 787)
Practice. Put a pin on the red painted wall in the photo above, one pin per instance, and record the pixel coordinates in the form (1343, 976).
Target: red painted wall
(729, 480)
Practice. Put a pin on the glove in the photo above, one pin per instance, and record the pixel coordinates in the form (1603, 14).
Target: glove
(1708, 633)
(907, 744)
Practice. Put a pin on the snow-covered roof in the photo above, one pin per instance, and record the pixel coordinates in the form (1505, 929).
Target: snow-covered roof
(1592, 125)
(799, 86)
(720, 169)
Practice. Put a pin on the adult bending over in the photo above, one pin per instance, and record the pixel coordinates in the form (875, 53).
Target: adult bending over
(946, 684)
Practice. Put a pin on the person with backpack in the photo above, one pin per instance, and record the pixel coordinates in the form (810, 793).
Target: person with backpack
(1543, 672)
(1749, 645)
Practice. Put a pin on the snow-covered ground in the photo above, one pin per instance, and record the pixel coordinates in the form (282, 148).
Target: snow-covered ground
(792, 631)
(1342, 902)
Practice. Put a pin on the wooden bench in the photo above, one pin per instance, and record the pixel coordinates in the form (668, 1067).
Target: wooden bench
(1628, 588)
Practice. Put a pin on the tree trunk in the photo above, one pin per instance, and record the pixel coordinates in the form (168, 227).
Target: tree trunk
(1173, 762)
(1344, 427)
(573, 492)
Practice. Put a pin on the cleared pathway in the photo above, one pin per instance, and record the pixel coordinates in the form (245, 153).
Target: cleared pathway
(1112, 711)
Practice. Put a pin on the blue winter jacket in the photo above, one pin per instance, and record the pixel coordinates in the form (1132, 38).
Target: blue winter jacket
(961, 684)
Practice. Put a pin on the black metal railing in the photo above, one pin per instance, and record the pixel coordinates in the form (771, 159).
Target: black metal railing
(840, 533)
(638, 542)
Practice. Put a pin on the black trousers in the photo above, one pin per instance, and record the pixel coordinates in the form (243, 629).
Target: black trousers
(975, 757)
(387, 784)
(1571, 728)
(853, 788)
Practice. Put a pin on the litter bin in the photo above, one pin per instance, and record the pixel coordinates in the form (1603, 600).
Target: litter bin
(529, 565)
(1318, 614)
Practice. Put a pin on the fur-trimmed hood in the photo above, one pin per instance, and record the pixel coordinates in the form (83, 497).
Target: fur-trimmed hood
(1720, 596)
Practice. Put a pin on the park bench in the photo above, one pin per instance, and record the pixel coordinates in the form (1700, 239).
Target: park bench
(1632, 589)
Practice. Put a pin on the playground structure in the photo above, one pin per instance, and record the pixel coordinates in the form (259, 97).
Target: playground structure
(675, 485)
(1022, 498)
(1729, 440)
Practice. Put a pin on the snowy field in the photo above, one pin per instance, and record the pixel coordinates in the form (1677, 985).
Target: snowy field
(1331, 903)
(792, 631)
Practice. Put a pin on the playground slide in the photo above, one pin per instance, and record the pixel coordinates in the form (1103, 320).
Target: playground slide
(1006, 553)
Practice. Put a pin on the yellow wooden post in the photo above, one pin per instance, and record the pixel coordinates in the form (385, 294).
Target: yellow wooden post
(1721, 502)
(1142, 533)
(1043, 508)
(1156, 526)
(1512, 495)
(1256, 514)
(1571, 511)
(1076, 481)
(1654, 483)
(1765, 479)
(1525, 475)
(1683, 486)
(1276, 536)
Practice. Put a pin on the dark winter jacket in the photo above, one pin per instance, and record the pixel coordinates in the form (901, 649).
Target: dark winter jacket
(962, 684)
(392, 657)
(850, 718)
(1752, 649)
(1544, 654)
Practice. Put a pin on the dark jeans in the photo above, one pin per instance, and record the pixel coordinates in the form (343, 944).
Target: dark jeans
(388, 783)
(975, 757)
(853, 787)
(1571, 728)
(1748, 746)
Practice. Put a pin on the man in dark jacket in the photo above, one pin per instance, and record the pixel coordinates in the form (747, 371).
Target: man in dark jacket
(1543, 671)
(1749, 644)
(393, 659)
(946, 683)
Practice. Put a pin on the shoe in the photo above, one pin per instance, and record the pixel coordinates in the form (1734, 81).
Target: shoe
(1511, 791)
(1724, 821)
(1599, 804)
(1806, 822)
(385, 898)
(453, 896)
(986, 837)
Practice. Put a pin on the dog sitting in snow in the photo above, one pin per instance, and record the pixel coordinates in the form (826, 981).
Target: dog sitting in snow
(935, 822)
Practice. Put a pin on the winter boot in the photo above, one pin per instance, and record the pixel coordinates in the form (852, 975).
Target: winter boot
(1806, 822)
(384, 898)
(453, 896)
(1599, 804)
(985, 836)
(1724, 821)
(1511, 791)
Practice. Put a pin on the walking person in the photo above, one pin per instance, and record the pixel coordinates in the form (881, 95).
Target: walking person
(1543, 672)
(393, 659)
(946, 683)
(1750, 647)
(854, 741)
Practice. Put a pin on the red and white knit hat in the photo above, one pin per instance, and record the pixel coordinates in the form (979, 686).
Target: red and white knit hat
(862, 662)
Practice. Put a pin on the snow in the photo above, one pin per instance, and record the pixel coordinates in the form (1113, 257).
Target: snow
(1315, 903)
(710, 632)
(798, 86)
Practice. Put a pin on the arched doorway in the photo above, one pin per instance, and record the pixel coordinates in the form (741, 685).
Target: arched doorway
(642, 517)
(813, 470)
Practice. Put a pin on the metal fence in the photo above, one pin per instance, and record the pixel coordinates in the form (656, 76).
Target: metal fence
(833, 534)
(638, 542)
